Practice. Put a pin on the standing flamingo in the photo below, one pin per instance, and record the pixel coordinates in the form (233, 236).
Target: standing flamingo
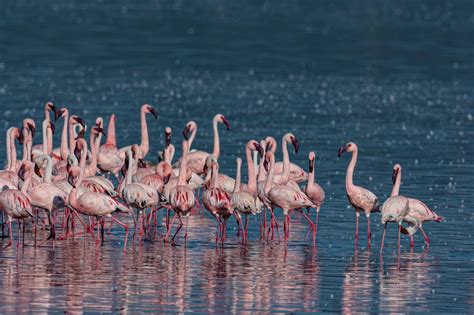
(15, 203)
(48, 108)
(418, 213)
(181, 197)
(294, 172)
(10, 173)
(284, 197)
(145, 144)
(218, 202)
(360, 198)
(46, 195)
(94, 204)
(197, 159)
(63, 150)
(108, 159)
(313, 190)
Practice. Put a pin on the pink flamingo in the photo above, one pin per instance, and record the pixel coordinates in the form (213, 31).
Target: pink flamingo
(251, 186)
(223, 181)
(137, 195)
(243, 202)
(94, 204)
(394, 209)
(108, 159)
(197, 159)
(314, 192)
(294, 172)
(418, 214)
(48, 108)
(218, 202)
(15, 203)
(63, 149)
(10, 173)
(145, 145)
(181, 197)
(360, 198)
(46, 195)
(284, 197)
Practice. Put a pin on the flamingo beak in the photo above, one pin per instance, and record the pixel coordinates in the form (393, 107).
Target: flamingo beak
(186, 133)
(168, 139)
(21, 172)
(153, 111)
(260, 150)
(101, 130)
(81, 121)
(52, 107)
(70, 180)
(32, 129)
(38, 171)
(166, 179)
(311, 165)
(296, 144)
(268, 147)
(394, 175)
(77, 153)
(58, 114)
(226, 122)
(341, 150)
(141, 163)
(21, 138)
(265, 165)
(81, 134)
(53, 128)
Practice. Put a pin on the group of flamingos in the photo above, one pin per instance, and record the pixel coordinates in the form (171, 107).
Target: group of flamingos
(69, 180)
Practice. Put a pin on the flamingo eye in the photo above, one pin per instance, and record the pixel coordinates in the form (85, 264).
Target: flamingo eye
(349, 145)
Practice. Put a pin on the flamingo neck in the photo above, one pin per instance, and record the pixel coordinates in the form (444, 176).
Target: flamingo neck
(350, 171)
(12, 152)
(49, 134)
(191, 138)
(261, 171)
(182, 166)
(145, 145)
(286, 160)
(128, 177)
(252, 180)
(25, 144)
(26, 184)
(82, 162)
(8, 142)
(214, 176)
(168, 154)
(311, 178)
(396, 186)
(111, 140)
(94, 148)
(72, 140)
(45, 137)
(64, 144)
(217, 149)
(237, 177)
(269, 182)
(49, 168)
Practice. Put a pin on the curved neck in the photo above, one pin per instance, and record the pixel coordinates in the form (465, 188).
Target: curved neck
(182, 166)
(94, 148)
(25, 144)
(217, 148)
(269, 182)
(111, 131)
(261, 171)
(8, 144)
(49, 134)
(82, 163)
(128, 177)
(286, 160)
(26, 184)
(64, 144)
(252, 180)
(237, 177)
(49, 168)
(350, 170)
(145, 145)
(168, 153)
(214, 175)
(72, 141)
(396, 186)
(12, 153)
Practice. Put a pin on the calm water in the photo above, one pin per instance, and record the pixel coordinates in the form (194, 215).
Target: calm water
(396, 78)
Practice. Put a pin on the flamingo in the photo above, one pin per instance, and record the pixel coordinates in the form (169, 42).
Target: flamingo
(62, 151)
(181, 196)
(314, 192)
(251, 186)
(48, 108)
(46, 195)
(294, 172)
(144, 146)
(284, 197)
(218, 202)
(15, 203)
(10, 173)
(137, 195)
(93, 203)
(108, 159)
(243, 201)
(197, 159)
(360, 198)
(223, 181)
(418, 214)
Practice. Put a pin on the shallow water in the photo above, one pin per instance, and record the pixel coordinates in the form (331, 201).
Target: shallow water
(396, 79)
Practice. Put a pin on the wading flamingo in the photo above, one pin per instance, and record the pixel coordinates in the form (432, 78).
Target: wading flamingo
(48, 108)
(313, 190)
(108, 159)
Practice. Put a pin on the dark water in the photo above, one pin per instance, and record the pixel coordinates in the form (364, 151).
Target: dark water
(394, 77)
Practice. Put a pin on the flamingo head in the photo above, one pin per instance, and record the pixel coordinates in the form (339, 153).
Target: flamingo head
(24, 170)
(73, 174)
(30, 125)
(50, 107)
(311, 157)
(168, 137)
(63, 112)
(268, 158)
(254, 145)
(97, 130)
(164, 170)
(348, 147)
(151, 110)
(396, 170)
(77, 120)
(187, 132)
(99, 122)
(289, 137)
(222, 119)
(136, 154)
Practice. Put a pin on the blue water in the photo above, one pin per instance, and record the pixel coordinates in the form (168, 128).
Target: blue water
(396, 78)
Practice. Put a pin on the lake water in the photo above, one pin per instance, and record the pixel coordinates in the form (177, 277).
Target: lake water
(395, 77)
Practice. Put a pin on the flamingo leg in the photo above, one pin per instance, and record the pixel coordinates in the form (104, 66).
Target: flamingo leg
(357, 227)
(52, 230)
(177, 230)
(276, 223)
(383, 237)
(10, 231)
(186, 230)
(126, 232)
(399, 231)
(246, 227)
(427, 239)
(169, 228)
(369, 235)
